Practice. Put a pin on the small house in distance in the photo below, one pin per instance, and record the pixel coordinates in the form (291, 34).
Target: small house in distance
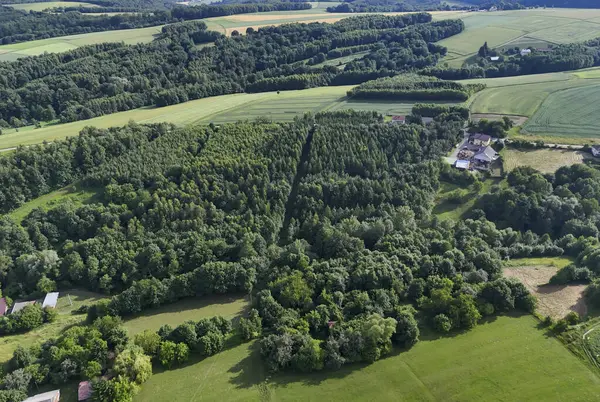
(495, 58)
(596, 150)
(50, 300)
(21, 305)
(485, 157)
(525, 52)
(3, 306)
(84, 391)
(51, 396)
(426, 120)
(482, 140)
(399, 119)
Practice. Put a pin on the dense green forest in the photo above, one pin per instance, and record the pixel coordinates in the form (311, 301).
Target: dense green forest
(414, 87)
(364, 6)
(326, 220)
(106, 78)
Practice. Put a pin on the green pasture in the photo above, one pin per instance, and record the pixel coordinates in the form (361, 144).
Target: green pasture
(341, 62)
(570, 112)
(185, 310)
(507, 359)
(50, 4)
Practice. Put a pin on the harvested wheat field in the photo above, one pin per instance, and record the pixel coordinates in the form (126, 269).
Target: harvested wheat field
(263, 17)
(242, 29)
(544, 160)
(553, 300)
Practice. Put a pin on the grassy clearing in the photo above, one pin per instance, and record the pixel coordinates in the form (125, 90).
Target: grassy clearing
(545, 160)
(571, 112)
(557, 262)
(341, 62)
(185, 310)
(65, 319)
(51, 4)
(68, 194)
(508, 358)
(449, 209)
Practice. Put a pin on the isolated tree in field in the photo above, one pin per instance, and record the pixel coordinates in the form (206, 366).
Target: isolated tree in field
(484, 50)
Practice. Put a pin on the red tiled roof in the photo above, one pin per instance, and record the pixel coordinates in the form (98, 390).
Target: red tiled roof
(398, 118)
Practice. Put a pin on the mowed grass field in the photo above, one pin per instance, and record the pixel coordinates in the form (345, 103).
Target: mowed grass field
(507, 359)
(536, 27)
(284, 106)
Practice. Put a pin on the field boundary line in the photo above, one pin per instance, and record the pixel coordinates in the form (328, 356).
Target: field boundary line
(423, 387)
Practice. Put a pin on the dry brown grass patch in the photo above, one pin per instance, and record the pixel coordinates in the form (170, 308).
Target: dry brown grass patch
(545, 160)
(553, 300)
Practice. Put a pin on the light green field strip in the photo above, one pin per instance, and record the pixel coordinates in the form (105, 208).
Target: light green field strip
(65, 43)
(507, 359)
(183, 113)
(571, 112)
(51, 4)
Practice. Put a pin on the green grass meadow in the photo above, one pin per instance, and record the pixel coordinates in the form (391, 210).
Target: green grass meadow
(507, 359)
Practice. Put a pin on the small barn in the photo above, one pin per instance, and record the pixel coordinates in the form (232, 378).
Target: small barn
(596, 150)
(3, 306)
(21, 305)
(495, 58)
(50, 300)
(525, 52)
(427, 120)
(50, 396)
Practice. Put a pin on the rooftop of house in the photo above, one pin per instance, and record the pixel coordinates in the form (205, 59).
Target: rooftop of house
(480, 137)
(3, 306)
(462, 164)
(398, 118)
(50, 300)
(84, 391)
(21, 305)
(495, 58)
(50, 396)
(486, 154)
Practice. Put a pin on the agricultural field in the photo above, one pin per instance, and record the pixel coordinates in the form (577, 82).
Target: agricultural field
(539, 27)
(545, 160)
(555, 301)
(284, 106)
(464, 367)
(572, 111)
(560, 106)
(50, 4)
(68, 302)
(65, 43)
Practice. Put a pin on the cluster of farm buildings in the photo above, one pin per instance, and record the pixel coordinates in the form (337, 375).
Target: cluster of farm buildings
(84, 391)
(476, 153)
